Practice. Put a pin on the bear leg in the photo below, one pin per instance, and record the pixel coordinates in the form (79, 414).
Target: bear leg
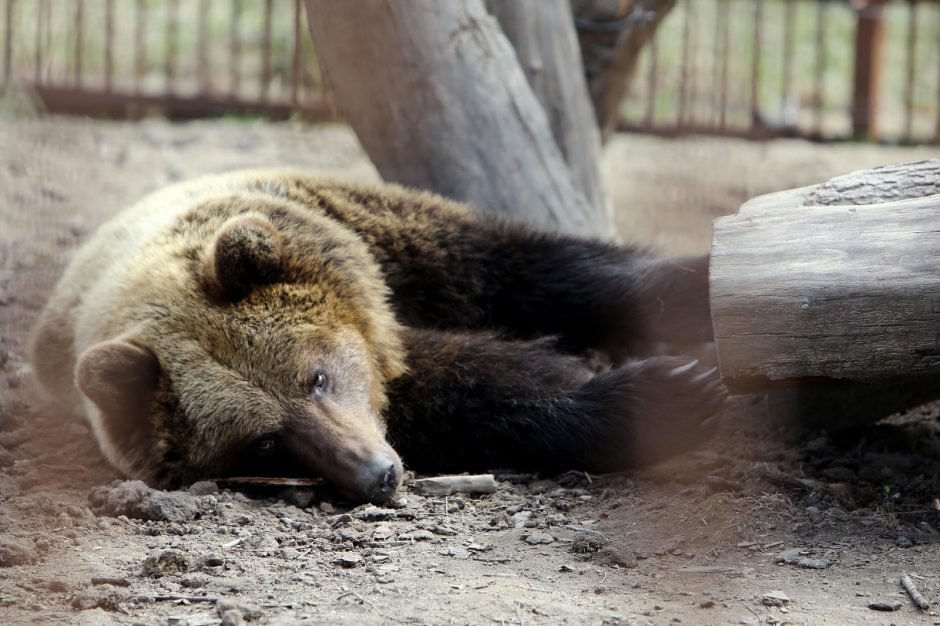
(474, 402)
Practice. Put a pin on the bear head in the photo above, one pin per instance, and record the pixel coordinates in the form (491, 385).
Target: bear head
(260, 345)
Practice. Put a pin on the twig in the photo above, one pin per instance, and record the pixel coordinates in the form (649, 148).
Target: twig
(172, 597)
(371, 606)
(911, 590)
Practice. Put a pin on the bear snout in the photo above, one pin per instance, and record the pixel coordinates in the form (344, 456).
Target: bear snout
(380, 478)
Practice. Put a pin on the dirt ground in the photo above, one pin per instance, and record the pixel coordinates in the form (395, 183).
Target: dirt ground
(824, 524)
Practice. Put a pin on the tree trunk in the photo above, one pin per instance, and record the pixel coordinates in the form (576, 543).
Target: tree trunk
(834, 287)
(543, 35)
(612, 35)
(439, 101)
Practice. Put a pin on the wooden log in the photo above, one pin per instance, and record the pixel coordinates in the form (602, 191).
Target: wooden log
(439, 101)
(839, 281)
(447, 485)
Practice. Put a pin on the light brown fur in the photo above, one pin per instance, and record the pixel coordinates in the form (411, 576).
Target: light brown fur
(233, 367)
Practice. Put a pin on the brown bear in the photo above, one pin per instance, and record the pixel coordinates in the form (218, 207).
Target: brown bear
(275, 323)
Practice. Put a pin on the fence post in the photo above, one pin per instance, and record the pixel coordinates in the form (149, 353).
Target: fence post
(869, 34)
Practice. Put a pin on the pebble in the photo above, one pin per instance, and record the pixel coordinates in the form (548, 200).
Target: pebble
(884, 606)
(136, 500)
(803, 558)
(539, 538)
(108, 599)
(161, 562)
(247, 611)
(417, 535)
(375, 514)
(775, 598)
(348, 559)
(16, 552)
(204, 488)
(621, 557)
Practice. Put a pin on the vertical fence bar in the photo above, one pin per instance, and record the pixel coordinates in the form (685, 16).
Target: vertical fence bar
(298, 57)
(936, 131)
(869, 34)
(789, 19)
(37, 76)
(651, 84)
(911, 68)
(202, 47)
(79, 36)
(172, 22)
(235, 49)
(819, 81)
(725, 27)
(266, 52)
(684, 75)
(8, 43)
(140, 47)
(108, 44)
(756, 56)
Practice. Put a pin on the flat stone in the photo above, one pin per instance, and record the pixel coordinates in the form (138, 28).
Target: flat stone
(16, 552)
(348, 559)
(539, 538)
(804, 558)
(775, 598)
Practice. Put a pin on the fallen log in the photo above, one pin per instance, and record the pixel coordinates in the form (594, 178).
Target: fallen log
(839, 281)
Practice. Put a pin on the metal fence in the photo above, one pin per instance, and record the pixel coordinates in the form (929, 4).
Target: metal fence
(824, 69)
(195, 58)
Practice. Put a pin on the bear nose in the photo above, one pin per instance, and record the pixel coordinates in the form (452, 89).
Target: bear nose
(380, 479)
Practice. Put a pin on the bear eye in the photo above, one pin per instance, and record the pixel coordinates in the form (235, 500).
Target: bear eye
(317, 383)
(265, 445)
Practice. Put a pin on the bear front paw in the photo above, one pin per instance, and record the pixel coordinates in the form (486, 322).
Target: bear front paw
(673, 408)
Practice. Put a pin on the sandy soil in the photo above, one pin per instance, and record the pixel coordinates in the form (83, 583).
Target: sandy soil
(831, 521)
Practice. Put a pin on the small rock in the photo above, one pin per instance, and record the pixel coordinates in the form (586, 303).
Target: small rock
(246, 611)
(565, 568)
(109, 600)
(15, 552)
(171, 506)
(289, 554)
(161, 562)
(539, 538)
(327, 508)
(903, 541)
(520, 518)
(232, 617)
(204, 488)
(348, 559)
(14, 438)
(417, 535)
(116, 581)
(622, 557)
(708, 604)
(375, 514)
(884, 606)
(447, 531)
(297, 496)
(802, 558)
(457, 553)
(775, 598)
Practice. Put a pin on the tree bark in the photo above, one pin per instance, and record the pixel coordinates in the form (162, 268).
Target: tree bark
(439, 101)
(612, 35)
(543, 35)
(831, 281)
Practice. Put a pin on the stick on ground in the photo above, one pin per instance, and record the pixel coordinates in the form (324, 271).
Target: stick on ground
(911, 590)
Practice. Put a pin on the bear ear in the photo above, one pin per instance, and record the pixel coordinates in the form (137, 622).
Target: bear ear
(121, 379)
(246, 251)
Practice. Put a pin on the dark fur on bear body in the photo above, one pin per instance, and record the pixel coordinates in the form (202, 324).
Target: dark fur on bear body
(275, 322)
